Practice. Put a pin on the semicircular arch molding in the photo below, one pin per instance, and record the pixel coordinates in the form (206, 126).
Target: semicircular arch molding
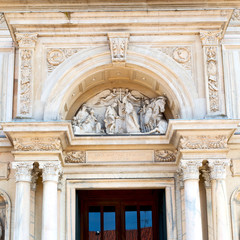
(173, 79)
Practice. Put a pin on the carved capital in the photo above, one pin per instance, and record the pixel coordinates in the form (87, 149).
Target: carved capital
(50, 171)
(190, 169)
(75, 157)
(211, 37)
(218, 168)
(37, 144)
(23, 171)
(26, 40)
(164, 156)
(236, 15)
(118, 46)
(203, 142)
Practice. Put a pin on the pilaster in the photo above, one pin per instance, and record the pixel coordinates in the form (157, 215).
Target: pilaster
(212, 55)
(26, 42)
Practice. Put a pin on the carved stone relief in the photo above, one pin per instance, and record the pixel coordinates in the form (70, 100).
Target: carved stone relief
(118, 46)
(211, 37)
(165, 156)
(203, 142)
(121, 111)
(37, 144)
(26, 42)
(182, 55)
(190, 169)
(75, 157)
(55, 56)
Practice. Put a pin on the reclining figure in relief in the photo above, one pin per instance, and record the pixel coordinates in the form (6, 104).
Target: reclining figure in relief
(121, 111)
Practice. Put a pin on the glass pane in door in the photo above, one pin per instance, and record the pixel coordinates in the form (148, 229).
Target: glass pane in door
(131, 223)
(109, 223)
(94, 223)
(146, 222)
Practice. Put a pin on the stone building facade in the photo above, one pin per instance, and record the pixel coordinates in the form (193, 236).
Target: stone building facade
(110, 109)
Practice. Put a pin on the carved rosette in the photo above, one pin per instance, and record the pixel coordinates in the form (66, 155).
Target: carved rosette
(210, 41)
(118, 46)
(218, 168)
(164, 156)
(190, 169)
(203, 142)
(51, 171)
(23, 171)
(56, 56)
(37, 144)
(75, 157)
(26, 42)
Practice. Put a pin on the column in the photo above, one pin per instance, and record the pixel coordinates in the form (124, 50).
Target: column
(219, 199)
(26, 42)
(190, 174)
(207, 183)
(50, 174)
(22, 200)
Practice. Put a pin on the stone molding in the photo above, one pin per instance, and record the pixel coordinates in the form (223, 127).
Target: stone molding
(211, 37)
(26, 40)
(165, 156)
(218, 168)
(50, 171)
(118, 46)
(203, 142)
(190, 169)
(37, 144)
(75, 157)
(23, 171)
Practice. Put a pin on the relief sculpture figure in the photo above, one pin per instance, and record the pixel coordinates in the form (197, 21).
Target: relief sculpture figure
(120, 111)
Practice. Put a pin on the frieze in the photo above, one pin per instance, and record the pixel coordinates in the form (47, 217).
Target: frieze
(56, 56)
(37, 144)
(165, 156)
(121, 111)
(75, 157)
(203, 142)
(118, 46)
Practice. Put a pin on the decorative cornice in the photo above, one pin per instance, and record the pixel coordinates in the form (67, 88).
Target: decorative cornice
(190, 169)
(75, 157)
(26, 40)
(118, 46)
(203, 142)
(164, 156)
(210, 37)
(37, 144)
(51, 171)
(218, 168)
(23, 171)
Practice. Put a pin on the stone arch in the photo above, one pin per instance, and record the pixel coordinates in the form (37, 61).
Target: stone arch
(175, 81)
(6, 211)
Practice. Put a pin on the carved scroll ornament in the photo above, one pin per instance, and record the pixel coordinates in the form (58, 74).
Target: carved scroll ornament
(75, 157)
(165, 156)
(121, 111)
